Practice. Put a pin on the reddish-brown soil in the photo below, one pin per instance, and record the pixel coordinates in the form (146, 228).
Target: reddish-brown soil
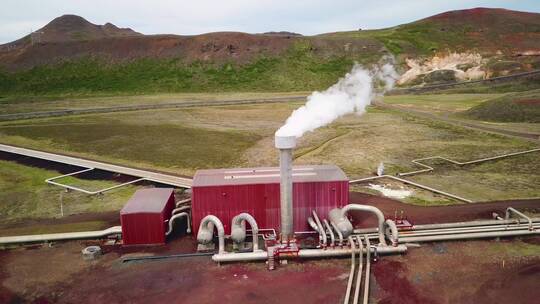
(531, 102)
(459, 272)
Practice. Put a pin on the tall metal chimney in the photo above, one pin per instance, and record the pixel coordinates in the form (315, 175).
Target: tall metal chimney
(285, 144)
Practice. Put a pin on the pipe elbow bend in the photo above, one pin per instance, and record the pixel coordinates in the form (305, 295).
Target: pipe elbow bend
(392, 232)
(238, 230)
(206, 229)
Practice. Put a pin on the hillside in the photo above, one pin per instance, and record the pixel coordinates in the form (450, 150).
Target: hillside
(70, 28)
(517, 107)
(74, 56)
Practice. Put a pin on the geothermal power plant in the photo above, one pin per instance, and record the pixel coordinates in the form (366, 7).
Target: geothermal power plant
(273, 215)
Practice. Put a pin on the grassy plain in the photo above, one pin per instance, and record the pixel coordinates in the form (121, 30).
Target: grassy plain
(25, 195)
(184, 140)
(26, 104)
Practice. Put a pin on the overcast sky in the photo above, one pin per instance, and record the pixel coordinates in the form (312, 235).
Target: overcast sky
(19, 17)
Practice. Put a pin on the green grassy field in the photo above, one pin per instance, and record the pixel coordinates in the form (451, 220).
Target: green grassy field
(26, 104)
(516, 107)
(25, 195)
(438, 103)
(184, 140)
(511, 111)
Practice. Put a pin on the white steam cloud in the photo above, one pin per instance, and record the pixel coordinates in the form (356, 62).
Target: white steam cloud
(352, 93)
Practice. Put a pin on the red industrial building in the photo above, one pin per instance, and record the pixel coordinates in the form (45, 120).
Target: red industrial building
(227, 192)
(145, 216)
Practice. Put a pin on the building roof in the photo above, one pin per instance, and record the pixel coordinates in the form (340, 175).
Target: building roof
(266, 175)
(151, 200)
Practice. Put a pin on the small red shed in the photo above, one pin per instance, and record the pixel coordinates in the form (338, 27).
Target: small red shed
(145, 216)
(227, 192)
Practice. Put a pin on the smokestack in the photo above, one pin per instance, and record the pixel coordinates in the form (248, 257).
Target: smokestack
(285, 144)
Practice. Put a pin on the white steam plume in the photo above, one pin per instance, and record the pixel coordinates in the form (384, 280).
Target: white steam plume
(352, 93)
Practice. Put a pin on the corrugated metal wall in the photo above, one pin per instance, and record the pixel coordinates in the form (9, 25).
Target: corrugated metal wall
(146, 228)
(263, 202)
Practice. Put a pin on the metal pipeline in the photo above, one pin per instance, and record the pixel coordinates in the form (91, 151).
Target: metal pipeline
(394, 234)
(351, 274)
(511, 210)
(238, 229)
(467, 224)
(332, 237)
(374, 210)
(181, 209)
(206, 232)
(368, 266)
(182, 202)
(340, 235)
(321, 229)
(468, 230)
(174, 217)
(359, 275)
(312, 224)
(474, 235)
(304, 253)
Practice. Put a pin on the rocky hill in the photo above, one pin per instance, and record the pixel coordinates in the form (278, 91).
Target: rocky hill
(55, 58)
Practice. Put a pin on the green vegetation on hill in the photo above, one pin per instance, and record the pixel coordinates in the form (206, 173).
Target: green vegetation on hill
(299, 70)
(517, 107)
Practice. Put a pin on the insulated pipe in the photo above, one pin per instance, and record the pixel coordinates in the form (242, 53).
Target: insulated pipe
(312, 224)
(394, 234)
(174, 217)
(467, 224)
(285, 144)
(510, 210)
(304, 254)
(238, 229)
(332, 237)
(359, 275)
(474, 235)
(351, 274)
(184, 201)
(468, 230)
(368, 266)
(340, 235)
(321, 229)
(181, 209)
(206, 232)
(374, 210)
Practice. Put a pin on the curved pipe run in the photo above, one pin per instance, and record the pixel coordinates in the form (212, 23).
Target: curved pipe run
(394, 234)
(174, 217)
(206, 232)
(340, 235)
(321, 229)
(238, 229)
(332, 237)
(374, 210)
(181, 209)
(351, 274)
